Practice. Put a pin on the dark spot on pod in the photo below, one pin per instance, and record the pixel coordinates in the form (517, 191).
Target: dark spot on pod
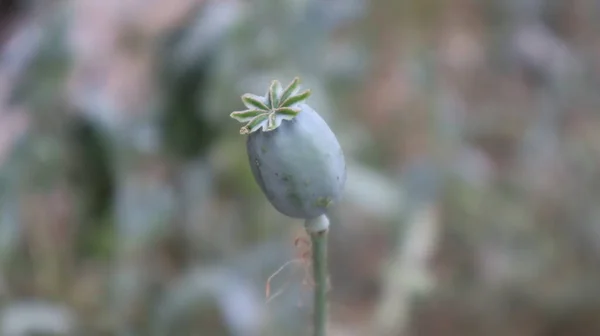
(295, 198)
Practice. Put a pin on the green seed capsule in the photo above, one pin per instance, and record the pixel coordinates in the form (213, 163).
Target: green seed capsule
(296, 159)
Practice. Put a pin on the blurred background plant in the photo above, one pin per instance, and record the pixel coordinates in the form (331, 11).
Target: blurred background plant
(471, 130)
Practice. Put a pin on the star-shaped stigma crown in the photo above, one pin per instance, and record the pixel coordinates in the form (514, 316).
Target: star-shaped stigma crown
(269, 111)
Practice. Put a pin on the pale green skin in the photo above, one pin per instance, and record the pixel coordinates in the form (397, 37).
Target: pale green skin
(299, 166)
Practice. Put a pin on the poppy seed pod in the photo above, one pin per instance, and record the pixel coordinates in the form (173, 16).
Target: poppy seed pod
(295, 158)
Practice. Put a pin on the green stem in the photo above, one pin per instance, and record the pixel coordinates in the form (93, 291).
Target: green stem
(318, 237)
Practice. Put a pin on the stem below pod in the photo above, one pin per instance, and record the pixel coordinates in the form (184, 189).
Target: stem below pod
(318, 228)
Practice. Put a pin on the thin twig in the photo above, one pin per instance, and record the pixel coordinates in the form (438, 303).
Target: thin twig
(268, 286)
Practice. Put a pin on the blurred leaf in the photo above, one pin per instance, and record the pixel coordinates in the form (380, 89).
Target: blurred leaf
(236, 302)
(373, 193)
(45, 59)
(37, 318)
(144, 209)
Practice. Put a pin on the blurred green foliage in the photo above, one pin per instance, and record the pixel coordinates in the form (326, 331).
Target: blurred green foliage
(127, 206)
